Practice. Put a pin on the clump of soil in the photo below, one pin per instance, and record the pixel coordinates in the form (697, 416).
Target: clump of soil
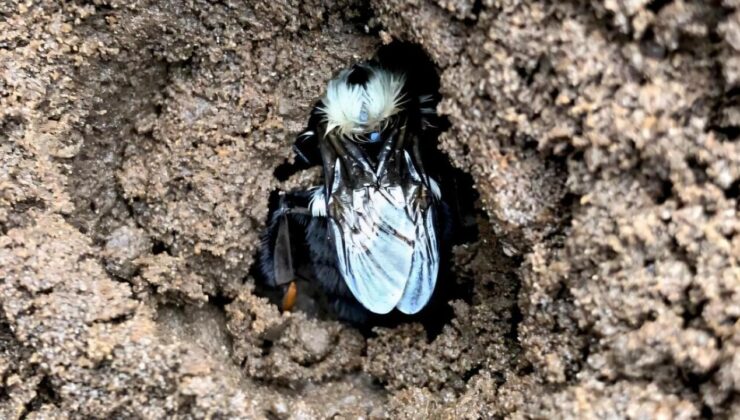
(139, 142)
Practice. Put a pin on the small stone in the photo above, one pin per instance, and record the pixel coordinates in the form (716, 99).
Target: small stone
(123, 246)
(315, 339)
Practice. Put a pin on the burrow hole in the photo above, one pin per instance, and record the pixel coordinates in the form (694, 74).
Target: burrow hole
(458, 193)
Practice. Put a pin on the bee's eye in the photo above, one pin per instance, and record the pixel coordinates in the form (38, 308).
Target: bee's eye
(374, 137)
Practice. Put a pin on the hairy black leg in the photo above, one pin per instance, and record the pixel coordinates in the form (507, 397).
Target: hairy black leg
(282, 248)
(306, 146)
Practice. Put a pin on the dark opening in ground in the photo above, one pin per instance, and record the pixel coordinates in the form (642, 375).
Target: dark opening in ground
(459, 195)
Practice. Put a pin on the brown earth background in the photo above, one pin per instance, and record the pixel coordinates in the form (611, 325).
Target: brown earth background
(138, 141)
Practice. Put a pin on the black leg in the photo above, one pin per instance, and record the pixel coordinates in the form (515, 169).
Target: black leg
(280, 248)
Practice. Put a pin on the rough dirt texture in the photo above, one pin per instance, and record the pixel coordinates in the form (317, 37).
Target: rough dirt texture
(138, 141)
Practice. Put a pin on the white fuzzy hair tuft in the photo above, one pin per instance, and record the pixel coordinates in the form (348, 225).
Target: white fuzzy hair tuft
(354, 110)
(317, 205)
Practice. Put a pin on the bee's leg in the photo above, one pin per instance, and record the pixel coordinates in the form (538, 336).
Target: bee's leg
(306, 149)
(283, 235)
(306, 146)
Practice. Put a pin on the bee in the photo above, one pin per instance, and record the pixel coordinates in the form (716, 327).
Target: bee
(373, 234)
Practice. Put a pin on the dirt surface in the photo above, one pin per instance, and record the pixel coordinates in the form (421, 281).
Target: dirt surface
(138, 142)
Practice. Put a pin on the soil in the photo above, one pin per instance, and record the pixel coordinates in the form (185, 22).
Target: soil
(138, 145)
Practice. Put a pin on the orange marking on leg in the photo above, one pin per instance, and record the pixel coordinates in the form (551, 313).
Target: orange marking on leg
(290, 297)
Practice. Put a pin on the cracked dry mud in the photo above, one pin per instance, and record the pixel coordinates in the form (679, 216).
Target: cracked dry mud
(138, 141)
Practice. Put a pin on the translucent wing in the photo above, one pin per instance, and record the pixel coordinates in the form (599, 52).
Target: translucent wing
(386, 246)
(425, 261)
(424, 267)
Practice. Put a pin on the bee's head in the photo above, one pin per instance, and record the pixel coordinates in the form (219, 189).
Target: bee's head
(361, 101)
